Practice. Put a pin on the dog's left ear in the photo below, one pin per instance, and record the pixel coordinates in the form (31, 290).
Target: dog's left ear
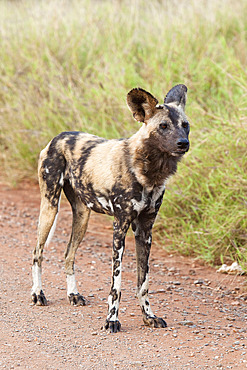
(177, 95)
(142, 104)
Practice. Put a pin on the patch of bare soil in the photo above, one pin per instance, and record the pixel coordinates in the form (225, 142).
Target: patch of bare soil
(206, 312)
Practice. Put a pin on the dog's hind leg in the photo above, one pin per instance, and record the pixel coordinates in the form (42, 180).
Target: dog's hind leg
(47, 223)
(79, 225)
(51, 174)
(142, 228)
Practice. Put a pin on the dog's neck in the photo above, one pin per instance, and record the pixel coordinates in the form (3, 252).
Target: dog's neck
(151, 166)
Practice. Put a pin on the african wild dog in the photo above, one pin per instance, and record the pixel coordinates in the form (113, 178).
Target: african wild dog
(124, 178)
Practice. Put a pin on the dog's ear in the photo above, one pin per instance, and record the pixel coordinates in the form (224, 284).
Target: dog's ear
(177, 95)
(142, 104)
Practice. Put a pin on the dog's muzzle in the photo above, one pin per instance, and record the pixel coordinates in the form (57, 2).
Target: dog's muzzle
(183, 145)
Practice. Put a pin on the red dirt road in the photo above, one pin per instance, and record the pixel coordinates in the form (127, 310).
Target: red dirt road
(206, 312)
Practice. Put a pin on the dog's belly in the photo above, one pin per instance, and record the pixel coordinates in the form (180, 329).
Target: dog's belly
(100, 205)
(108, 205)
(120, 202)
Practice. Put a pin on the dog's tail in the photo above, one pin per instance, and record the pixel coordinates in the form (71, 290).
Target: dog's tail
(53, 228)
(51, 172)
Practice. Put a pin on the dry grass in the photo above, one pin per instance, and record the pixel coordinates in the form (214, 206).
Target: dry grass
(67, 65)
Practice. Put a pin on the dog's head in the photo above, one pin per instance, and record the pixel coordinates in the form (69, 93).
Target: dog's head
(165, 125)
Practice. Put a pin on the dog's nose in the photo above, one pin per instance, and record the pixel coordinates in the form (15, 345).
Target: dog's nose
(183, 144)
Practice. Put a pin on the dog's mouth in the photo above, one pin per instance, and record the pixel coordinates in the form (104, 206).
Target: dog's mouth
(179, 152)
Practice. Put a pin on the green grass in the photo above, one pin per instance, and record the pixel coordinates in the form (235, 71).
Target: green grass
(67, 65)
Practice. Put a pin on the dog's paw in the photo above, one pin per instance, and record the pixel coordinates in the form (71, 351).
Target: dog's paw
(39, 299)
(76, 299)
(154, 322)
(113, 326)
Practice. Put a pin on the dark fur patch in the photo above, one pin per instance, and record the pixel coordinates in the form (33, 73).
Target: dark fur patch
(137, 191)
(114, 294)
(112, 311)
(86, 150)
(70, 194)
(71, 140)
(173, 114)
(51, 170)
(159, 202)
(156, 165)
(145, 292)
(177, 95)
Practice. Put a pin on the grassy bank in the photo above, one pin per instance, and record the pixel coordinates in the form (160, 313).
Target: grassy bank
(67, 65)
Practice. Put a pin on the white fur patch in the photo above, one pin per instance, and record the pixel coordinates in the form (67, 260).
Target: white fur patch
(138, 206)
(61, 182)
(105, 204)
(37, 283)
(156, 194)
(111, 206)
(71, 285)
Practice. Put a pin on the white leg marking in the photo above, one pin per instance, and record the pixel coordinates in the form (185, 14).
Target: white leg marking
(37, 283)
(113, 316)
(71, 285)
(143, 297)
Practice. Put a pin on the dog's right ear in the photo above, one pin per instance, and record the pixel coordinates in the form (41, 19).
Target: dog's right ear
(177, 95)
(142, 104)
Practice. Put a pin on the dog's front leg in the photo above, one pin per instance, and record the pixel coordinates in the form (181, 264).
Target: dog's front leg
(142, 227)
(120, 230)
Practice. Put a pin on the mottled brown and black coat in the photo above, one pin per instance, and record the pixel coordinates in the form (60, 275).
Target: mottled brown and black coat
(124, 178)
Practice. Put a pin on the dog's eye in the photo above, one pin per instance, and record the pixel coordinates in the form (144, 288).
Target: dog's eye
(185, 124)
(164, 125)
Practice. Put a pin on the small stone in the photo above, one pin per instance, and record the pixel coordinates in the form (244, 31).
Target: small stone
(186, 323)
(235, 303)
(199, 282)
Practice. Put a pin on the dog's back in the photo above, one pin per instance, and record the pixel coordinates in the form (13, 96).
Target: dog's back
(98, 170)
